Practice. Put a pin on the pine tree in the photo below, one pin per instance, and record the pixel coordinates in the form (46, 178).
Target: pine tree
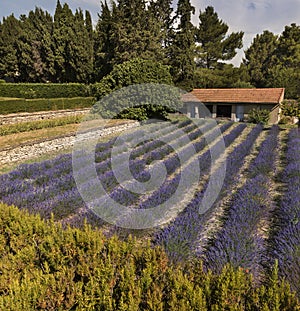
(213, 44)
(288, 50)
(259, 57)
(286, 69)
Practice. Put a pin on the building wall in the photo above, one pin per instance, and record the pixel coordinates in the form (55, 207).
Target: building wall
(209, 110)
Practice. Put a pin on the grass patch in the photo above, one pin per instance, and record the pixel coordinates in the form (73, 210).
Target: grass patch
(8, 129)
(17, 139)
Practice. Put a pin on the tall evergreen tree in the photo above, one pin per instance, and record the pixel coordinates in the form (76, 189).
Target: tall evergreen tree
(83, 45)
(104, 44)
(288, 50)
(10, 31)
(286, 71)
(73, 46)
(213, 44)
(126, 30)
(259, 57)
(182, 49)
(61, 36)
(139, 32)
(162, 11)
(34, 47)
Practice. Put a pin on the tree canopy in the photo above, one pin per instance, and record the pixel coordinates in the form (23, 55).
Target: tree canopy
(213, 44)
(70, 47)
(274, 61)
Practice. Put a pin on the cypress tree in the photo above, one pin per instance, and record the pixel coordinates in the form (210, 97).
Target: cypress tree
(104, 44)
(35, 47)
(73, 45)
(162, 12)
(182, 49)
(10, 31)
(127, 30)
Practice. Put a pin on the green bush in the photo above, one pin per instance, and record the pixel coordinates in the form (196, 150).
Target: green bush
(284, 120)
(259, 116)
(46, 267)
(42, 104)
(135, 71)
(44, 90)
(290, 108)
(139, 89)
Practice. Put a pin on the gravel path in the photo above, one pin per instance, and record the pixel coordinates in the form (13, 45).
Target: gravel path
(36, 149)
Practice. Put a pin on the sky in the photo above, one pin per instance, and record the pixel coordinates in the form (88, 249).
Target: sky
(250, 16)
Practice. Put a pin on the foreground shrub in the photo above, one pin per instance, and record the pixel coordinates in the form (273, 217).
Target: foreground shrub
(290, 108)
(259, 116)
(44, 267)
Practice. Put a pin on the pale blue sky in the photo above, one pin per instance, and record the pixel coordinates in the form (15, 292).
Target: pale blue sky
(250, 16)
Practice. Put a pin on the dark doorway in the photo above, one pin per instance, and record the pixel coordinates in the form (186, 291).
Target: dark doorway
(210, 108)
(223, 111)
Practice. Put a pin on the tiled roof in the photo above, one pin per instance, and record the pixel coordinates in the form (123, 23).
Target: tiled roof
(266, 95)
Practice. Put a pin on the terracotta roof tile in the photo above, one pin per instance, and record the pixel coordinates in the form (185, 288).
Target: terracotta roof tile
(265, 95)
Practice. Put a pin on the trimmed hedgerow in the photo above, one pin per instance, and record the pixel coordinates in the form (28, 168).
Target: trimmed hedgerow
(43, 104)
(46, 267)
(44, 90)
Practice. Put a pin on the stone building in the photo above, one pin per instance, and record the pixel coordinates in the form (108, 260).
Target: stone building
(233, 104)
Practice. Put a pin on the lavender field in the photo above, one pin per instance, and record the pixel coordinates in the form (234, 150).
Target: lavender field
(253, 223)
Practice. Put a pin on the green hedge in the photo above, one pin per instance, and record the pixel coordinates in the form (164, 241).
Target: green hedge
(44, 90)
(43, 104)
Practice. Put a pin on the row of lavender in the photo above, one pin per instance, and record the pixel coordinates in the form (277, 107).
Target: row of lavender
(50, 187)
(284, 242)
(174, 167)
(239, 242)
(179, 237)
(51, 182)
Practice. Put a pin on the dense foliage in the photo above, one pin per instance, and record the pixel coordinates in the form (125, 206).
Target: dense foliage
(43, 90)
(273, 61)
(44, 267)
(70, 49)
(148, 94)
(257, 115)
(290, 108)
(14, 105)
